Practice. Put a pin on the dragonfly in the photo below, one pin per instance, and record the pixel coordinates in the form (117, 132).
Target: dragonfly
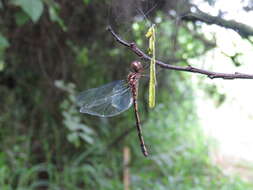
(114, 98)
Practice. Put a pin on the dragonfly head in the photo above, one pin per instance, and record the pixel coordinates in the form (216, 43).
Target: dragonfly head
(137, 66)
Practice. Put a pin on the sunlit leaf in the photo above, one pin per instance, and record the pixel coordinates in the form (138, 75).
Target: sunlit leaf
(33, 8)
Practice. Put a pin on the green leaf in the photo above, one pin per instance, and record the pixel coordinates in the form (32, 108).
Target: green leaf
(3, 42)
(54, 16)
(21, 18)
(33, 8)
(74, 138)
(83, 56)
(86, 2)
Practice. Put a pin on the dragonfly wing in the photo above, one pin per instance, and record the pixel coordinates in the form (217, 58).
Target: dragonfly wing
(106, 101)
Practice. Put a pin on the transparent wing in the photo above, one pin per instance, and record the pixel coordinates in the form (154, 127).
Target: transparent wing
(107, 100)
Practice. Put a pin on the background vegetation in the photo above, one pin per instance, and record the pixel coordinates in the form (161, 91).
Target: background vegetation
(50, 51)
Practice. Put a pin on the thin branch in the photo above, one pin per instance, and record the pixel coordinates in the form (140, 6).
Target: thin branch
(132, 46)
(243, 30)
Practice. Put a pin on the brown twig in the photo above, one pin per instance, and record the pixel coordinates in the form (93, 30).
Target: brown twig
(132, 46)
(243, 30)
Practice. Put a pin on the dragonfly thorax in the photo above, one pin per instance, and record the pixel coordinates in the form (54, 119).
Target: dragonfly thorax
(137, 66)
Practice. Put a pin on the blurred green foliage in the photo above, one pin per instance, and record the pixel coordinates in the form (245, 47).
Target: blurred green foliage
(47, 144)
(33, 9)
